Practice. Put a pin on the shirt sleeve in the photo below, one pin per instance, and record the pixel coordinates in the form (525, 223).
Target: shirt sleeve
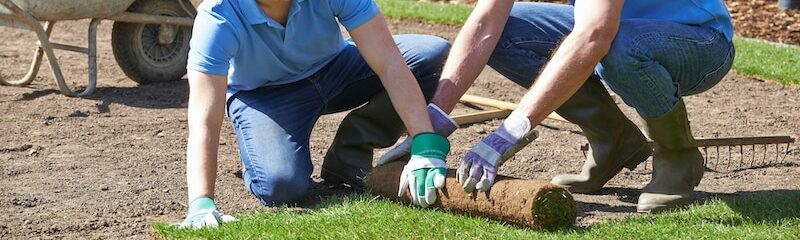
(353, 13)
(213, 44)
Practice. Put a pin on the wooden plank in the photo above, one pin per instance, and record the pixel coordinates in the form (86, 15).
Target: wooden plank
(502, 105)
(482, 116)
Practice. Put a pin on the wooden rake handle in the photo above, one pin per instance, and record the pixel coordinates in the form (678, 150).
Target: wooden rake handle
(503, 109)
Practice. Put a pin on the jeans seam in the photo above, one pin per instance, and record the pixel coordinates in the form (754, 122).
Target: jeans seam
(313, 80)
(673, 36)
(513, 42)
(251, 159)
(728, 61)
(637, 50)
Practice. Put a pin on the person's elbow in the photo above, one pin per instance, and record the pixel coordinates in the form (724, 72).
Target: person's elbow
(596, 40)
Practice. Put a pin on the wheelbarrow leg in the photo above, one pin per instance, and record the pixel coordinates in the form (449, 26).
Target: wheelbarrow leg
(92, 55)
(46, 46)
(36, 63)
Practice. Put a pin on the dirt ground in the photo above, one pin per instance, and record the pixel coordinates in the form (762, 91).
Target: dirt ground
(109, 165)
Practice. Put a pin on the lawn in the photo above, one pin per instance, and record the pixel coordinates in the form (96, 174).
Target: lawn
(764, 216)
(770, 215)
(754, 58)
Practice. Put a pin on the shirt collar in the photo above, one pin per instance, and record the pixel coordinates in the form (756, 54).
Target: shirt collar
(252, 11)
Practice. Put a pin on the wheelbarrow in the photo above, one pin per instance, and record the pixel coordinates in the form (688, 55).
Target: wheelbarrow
(150, 38)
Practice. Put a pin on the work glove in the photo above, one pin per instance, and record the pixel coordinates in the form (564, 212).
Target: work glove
(203, 212)
(442, 124)
(483, 160)
(425, 171)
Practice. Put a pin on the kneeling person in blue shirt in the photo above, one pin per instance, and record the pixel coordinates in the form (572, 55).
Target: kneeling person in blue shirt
(276, 66)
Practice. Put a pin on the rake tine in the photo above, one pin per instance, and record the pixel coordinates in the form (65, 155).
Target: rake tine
(753, 156)
(777, 153)
(741, 155)
(765, 155)
(717, 159)
(705, 157)
(728, 165)
(786, 154)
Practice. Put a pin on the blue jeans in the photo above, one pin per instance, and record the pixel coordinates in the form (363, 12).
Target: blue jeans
(273, 124)
(650, 65)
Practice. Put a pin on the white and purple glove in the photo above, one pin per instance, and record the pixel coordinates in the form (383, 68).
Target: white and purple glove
(483, 160)
(202, 213)
(442, 124)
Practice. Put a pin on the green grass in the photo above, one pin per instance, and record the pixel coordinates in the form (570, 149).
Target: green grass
(755, 58)
(439, 13)
(768, 61)
(764, 216)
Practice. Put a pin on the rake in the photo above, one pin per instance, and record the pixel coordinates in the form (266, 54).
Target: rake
(718, 153)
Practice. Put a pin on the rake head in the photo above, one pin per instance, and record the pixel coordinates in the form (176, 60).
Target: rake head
(737, 153)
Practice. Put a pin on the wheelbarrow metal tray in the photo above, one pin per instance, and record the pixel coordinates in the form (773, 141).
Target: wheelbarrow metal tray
(57, 10)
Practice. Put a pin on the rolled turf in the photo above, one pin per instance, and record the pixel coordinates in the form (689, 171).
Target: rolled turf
(527, 203)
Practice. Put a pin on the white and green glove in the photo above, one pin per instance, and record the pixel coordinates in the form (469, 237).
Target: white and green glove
(202, 213)
(442, 124)
(425, 171)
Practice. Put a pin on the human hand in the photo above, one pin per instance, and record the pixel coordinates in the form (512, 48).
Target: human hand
(484, 159)
(425, 171)
(202, 213)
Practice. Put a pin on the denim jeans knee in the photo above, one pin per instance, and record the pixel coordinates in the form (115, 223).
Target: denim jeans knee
(280, 189)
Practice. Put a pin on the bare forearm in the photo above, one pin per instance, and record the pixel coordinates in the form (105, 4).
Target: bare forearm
(406, 97)
(596, 25)
(205, 115)
(375, 43)
(567, 70)
(471, 51)
(201, 162)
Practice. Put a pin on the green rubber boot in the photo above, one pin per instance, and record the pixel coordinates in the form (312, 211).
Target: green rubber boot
(677, 163)
(614, 141)
(349, 158)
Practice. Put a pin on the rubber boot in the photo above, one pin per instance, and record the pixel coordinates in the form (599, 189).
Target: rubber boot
(677, 163)
(349, 158)
(614, 141)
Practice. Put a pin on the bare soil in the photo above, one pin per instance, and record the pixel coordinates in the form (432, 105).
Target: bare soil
(111, 164)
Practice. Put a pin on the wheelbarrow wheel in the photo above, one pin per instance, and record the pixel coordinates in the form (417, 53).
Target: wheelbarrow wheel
(149, 53)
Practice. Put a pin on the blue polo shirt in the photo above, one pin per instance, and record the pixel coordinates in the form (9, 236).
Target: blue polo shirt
(234, 38)
(709, 13)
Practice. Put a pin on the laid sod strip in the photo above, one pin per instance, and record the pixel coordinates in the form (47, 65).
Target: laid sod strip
(765, 60)
(439, 13)
(756, 58)
(761, 216)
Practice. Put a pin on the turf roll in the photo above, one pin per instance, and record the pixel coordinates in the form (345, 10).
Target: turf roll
(533, 204)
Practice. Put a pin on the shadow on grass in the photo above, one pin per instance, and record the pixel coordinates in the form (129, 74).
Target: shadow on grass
(764, 207)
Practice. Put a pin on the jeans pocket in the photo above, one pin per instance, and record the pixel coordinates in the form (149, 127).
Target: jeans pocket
(713, 77)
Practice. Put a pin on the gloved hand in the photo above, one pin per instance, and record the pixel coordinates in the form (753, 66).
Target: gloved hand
(483, 160)
(203, 212)
(442, 124)
(425, 171)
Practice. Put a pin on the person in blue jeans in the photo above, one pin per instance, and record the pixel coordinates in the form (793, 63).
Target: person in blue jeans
(650, 52)
(276, 66)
